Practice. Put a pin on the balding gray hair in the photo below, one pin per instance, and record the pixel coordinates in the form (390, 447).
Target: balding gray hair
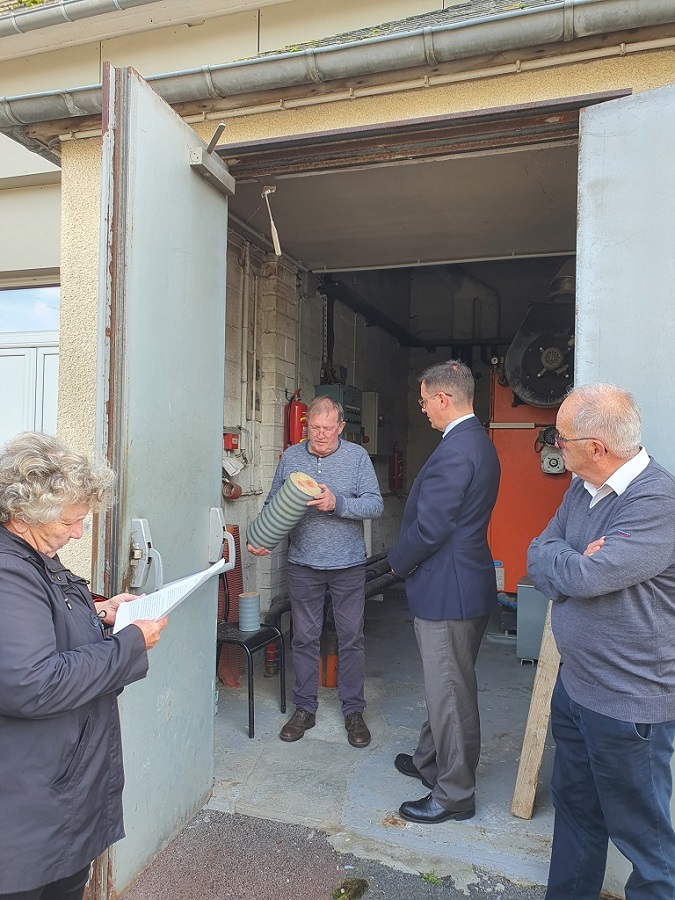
(40, 476)
(324, 404)
(610, 414)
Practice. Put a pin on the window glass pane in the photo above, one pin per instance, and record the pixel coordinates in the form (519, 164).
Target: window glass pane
(29, 309)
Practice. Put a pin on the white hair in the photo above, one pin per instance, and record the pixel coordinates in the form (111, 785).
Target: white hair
(39, 476)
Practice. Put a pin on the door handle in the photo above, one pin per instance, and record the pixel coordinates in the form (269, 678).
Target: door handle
(146, 568)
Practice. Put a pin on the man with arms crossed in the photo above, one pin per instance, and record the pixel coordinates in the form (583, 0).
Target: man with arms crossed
(607, 561)
(327, 551)
(442, 553)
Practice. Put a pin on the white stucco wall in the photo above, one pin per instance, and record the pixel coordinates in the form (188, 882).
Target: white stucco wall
(76, 421)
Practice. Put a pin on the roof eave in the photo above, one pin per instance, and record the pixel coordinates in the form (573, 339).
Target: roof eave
(559, 22)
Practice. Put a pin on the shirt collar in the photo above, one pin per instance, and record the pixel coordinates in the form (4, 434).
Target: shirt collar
(618, 481)
(457, 421)
(316, 455)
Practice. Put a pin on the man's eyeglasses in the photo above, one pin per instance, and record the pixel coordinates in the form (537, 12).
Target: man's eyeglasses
(329, 429)
(424, 400)
(560, 441)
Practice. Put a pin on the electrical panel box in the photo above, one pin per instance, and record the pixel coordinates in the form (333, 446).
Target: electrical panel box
(350, 399)
(532, 607)
(371, 421)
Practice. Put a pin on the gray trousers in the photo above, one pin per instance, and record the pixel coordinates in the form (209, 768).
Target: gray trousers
(449, 745)
(307, 589)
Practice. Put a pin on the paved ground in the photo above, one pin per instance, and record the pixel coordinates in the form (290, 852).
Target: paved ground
(222, 856)
(293, 821)
(353, 795)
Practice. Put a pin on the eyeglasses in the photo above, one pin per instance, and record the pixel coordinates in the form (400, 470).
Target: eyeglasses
(329, 429)
(560, 441)
(424, 400)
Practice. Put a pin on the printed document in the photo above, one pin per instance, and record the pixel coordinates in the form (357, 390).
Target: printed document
(162, 602)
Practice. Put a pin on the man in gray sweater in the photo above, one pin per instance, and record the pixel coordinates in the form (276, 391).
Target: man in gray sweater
(607, 561)
(327, 551)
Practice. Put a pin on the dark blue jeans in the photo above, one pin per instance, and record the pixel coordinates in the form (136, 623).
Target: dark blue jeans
(70, 888)
(611, 779)
(307, 589)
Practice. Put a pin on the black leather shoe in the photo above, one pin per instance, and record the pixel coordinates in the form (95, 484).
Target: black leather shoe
(297, 725)
(405, 765)
(429, 812)
(357, 730)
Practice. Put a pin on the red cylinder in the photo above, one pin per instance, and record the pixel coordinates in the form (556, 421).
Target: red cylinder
(295, 421)
(298, 422)
(271, 660)
(330, 666)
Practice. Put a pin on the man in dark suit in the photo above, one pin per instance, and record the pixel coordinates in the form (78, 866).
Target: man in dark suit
(443, 554)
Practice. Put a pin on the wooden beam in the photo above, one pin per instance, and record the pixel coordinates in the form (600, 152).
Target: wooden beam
(537, 724)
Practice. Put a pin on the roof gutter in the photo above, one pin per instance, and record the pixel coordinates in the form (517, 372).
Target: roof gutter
(38, 17)
(566, 20)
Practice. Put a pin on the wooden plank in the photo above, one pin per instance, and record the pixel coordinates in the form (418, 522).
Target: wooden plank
(537, 724)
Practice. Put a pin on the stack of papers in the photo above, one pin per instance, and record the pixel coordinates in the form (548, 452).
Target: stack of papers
(162, 602)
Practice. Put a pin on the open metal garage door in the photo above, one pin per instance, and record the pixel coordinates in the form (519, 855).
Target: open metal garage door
(626, 256)
(161, 361)
(625, 330)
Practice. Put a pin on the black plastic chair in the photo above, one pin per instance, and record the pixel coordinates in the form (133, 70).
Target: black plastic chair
(250, 641)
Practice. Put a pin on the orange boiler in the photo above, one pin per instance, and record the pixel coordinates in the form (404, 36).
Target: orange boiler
(528, 497)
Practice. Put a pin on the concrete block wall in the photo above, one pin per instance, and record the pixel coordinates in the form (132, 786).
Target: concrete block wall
(279, 312)
(244, 265)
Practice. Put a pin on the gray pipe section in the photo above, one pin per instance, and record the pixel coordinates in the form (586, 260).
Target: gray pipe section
(281, 603)
(20, 22)
(554, 23)
(375, 565)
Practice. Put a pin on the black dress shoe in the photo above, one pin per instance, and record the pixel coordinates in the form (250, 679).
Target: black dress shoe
(405, 765)
(429, 812)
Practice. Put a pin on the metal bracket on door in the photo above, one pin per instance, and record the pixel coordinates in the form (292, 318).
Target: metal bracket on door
(144, 560)
(211, 167)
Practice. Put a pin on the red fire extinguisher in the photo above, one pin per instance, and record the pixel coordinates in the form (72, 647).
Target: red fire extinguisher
(396, 470)
(295, 421)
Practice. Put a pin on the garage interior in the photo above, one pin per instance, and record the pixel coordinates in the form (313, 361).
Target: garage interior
(416, 243)
(420, 241)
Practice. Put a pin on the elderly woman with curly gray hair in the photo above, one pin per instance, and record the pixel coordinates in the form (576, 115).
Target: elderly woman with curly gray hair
(61, 772)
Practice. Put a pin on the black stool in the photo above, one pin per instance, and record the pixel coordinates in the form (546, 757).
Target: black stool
(250, 641)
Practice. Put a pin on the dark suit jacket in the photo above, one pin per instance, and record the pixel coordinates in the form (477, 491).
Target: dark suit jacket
(442, 551)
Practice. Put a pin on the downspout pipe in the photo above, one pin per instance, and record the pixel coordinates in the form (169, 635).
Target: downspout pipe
(557, 22)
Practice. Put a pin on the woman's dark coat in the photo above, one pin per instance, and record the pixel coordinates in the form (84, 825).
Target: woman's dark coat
(61, 773)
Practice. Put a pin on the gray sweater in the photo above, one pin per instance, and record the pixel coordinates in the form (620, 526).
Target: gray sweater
(613, 614)
(332, 540)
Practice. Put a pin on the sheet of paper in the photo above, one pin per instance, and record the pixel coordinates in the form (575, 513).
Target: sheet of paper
(162, 602)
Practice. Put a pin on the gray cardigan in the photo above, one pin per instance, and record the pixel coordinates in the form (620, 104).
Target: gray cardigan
(613, 614)
(61, 773)
(332, 540)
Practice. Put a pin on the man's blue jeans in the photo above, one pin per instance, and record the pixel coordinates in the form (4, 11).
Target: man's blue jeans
(611, 779)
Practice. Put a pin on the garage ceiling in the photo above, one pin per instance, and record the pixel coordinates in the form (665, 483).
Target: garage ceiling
(490, 204)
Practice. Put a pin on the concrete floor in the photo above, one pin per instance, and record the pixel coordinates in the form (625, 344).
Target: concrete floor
(353, 795)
